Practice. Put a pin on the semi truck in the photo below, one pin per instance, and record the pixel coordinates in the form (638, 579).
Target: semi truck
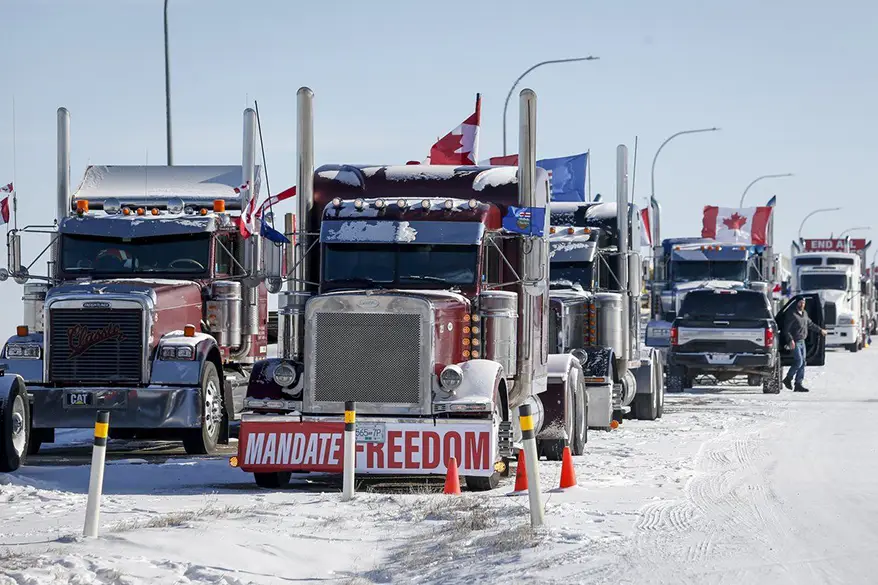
(421, 294)
(595, 275)
(154, 306)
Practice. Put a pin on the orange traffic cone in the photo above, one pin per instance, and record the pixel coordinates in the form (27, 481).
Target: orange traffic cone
(568, 476)
(520, 474)
(452, 481)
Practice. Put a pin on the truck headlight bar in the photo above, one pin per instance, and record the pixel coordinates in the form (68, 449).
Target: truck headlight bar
(23, 351)
(451, 377)
(177, 352)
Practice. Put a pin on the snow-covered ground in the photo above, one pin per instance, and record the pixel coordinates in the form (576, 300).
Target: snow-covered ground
(731, 486)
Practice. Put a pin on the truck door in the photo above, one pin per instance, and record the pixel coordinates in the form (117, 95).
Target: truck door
(815, 344)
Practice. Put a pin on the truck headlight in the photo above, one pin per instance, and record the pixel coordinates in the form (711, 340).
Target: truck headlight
(177, 352)
(23, 351)
(847, 320)
(451, 377)
(284, 375)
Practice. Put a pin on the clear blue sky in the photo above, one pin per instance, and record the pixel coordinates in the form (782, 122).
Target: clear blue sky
(792, 84)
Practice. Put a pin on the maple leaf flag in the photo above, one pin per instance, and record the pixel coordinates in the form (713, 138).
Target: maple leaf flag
(247, 223)
(461, 145)
(644, 218)
(4, 203)
(747, 225)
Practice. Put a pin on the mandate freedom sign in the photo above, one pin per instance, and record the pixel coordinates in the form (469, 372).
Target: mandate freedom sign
(406, 448)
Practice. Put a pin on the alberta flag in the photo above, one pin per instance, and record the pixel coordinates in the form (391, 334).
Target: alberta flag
(525, 220)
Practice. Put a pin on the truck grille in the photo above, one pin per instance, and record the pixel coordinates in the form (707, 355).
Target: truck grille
(829, 313)
(92, 345)
(368, 357)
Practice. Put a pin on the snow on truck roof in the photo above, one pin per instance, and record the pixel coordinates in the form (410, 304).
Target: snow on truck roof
(154, 185)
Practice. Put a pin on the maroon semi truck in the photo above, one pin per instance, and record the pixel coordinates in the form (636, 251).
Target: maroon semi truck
(154, 308)
(420, 293)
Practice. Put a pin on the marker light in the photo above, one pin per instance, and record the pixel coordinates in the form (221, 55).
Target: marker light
(337, 202)
(189, 331)
(21, 330)
(82, 206)
(449, 204)
(126, 211)
(570, 230)
(359, 204)
(402, 203)
(154, 211)
(425, 204)
(552, 230)
(203, 211)
(380, 204)
(475, 354)
(219, 205)
(140, 211)
(473, 203)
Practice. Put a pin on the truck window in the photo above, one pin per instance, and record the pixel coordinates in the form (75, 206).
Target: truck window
(705, 270)
(710, 304)
(401, 264)
(567, 274)
(187, 254)
(823, 282)
(223, 263)
(809, 261)
(840, 261)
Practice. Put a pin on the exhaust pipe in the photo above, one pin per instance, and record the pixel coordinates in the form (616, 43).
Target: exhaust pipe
(658, 268)
(63, 180)
(622, 226)
(291, 303)
(534, 255)
(252, 250)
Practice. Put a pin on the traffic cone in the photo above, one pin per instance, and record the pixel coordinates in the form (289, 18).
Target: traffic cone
(520, 474)
(452, 481)
(568, 475)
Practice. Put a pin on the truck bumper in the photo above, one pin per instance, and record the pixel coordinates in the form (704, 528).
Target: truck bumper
(736, 362)
(840, 336)
(270, 443)
(154, 407)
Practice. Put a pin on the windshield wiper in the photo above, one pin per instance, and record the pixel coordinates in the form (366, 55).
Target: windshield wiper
(426, 277)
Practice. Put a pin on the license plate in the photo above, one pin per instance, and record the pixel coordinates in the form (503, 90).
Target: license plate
(80, 399)
(370, 432)
(720, 358)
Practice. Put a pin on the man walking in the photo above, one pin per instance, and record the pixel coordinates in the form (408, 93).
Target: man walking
(795, 331)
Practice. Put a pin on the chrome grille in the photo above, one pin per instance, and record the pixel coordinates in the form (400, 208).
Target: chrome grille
(829, 313)
(95, 345)
(368, 357)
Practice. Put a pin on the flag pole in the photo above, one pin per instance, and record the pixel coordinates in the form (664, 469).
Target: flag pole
(14, 178)
(478, 127)
(588, 172)
(634, 171)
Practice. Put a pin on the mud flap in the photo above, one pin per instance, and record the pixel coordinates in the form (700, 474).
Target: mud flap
(600, 406)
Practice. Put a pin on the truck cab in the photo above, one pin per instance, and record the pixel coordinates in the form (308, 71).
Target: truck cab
(835, 278)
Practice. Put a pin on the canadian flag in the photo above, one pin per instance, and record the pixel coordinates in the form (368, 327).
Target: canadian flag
(644, 217)
(4, 203)
(247, 221)
(461, 145)
(747, 225)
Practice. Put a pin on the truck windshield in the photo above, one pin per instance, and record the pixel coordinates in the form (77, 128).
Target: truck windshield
(689, 271)
(710, 304)
(401, 264)
(187, 254)
(567, 274)
(824, 282)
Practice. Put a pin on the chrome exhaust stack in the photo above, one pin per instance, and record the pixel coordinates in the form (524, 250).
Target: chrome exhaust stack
(658, 267)
(535, 251)
(252, 250)
(622, 226)
(291, 303)
(63, 196)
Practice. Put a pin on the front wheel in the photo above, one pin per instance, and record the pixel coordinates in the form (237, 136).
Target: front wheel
(754, 380)
(273, 480)
(204, 441)
(14, 431)
(771, 383)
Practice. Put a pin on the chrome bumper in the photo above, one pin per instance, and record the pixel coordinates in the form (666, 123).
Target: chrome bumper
(153, 407)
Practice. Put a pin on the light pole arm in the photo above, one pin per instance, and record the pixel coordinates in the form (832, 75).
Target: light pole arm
(816, 211)
(668, 139)
(756, 180)
(522, 76)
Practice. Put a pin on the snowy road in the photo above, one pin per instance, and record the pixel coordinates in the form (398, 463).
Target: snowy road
(731, 486)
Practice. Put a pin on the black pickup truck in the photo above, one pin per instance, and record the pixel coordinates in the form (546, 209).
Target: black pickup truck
(728, 333)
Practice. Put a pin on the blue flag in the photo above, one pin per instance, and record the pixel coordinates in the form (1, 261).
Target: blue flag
(567, 176)
(772, 202)
(269, 233)
(525, 220)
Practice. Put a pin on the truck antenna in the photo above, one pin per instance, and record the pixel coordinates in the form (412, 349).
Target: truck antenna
(14, 192)
(264, 164)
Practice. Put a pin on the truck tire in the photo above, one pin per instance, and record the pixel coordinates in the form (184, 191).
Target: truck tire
(853, 347)
(37, 438)
(273, 480)
(676, 380)
(14, 431)
(203, 441)
(645, 406)
(660, 385)
(771, 383)
(477, 483)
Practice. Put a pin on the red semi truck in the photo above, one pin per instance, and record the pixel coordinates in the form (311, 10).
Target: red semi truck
(421, 293)
(154, 307)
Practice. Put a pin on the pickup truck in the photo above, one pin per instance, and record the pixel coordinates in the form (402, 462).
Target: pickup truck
(732, 332)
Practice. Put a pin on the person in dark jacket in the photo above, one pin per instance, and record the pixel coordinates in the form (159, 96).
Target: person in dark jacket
(795, 332)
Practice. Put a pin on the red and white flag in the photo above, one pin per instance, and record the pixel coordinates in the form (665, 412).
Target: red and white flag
(510, 160)
(247, 221)
(275, 199)
(747, 225)
(4, 203)
(644, 217)
(461, 145)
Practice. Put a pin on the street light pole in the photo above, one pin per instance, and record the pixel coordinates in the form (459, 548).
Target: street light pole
(520, 77)
(853, 229)
(816, 211)
(668, 139)
(756, 180)
(168, 91)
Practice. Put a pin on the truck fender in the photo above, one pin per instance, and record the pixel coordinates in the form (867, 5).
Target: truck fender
(184, 372)
(481, 382)
(262, 385)
(9, 383)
